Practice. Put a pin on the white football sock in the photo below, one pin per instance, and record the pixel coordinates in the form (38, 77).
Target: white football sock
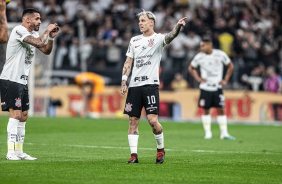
(160, 140)
(133, 142)
(206, 120)
(222, 122)
(20, 140)
(12, 134)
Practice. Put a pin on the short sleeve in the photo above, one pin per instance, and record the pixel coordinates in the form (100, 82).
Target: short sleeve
(225, 59)
(195, 61)
(129, 52)
(21, 32)
(163, 40)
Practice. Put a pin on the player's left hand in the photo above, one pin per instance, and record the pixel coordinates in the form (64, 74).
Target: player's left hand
(55, 31)
(182, 22)
(223, 82)
(123, 88)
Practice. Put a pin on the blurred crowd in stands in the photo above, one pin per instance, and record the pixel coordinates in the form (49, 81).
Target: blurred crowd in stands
(249, 31)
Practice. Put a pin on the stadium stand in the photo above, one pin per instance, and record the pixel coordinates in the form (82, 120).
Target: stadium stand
(249, 31)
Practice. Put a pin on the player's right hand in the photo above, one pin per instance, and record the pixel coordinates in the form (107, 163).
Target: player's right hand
(3, 6)
(51, 27)
(123, 88)
(200, 80)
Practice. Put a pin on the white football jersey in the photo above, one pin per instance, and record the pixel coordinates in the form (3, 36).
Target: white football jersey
(211, 67)
(147, 54)
(19, 56)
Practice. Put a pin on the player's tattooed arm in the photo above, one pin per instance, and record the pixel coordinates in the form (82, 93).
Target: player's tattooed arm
(125, 72)
(37, 42)
(170, 36)
(127, 66)
(3, 22)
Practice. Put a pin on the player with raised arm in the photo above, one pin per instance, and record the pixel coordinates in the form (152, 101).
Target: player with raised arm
(14, 90)
(211, 62)
(144, 55)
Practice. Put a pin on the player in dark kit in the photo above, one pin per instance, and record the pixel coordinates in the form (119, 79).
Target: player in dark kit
(211, 62)
(14, 91)
(146, 51)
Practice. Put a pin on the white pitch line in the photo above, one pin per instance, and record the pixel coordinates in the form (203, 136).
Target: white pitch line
(197, 151)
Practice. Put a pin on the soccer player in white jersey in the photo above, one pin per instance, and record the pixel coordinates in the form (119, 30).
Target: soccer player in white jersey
(14, 91)
(146, 52)
(211, 62)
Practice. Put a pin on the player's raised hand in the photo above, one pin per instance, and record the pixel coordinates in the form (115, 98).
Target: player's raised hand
(182, 22)
(223, 82)
(2, 6)
(55, 31)
(123, 88)
(51, 27)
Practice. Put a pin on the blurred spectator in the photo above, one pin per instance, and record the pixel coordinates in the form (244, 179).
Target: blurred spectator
(269, 49)
(178, 52)
(73, 53)
(273, 82)
(251, 47)
(179, 83)
(192, 43)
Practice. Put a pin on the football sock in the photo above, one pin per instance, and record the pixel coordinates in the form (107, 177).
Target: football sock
(133, 142)
(12, 134)
(222, 122)
(160, 140)
(20, 140)
(206, 120)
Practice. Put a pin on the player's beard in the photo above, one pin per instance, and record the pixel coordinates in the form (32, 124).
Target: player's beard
(35, 27)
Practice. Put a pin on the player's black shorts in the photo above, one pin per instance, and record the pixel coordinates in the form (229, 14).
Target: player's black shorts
(14, 96)
(146, 96)
(210, 99)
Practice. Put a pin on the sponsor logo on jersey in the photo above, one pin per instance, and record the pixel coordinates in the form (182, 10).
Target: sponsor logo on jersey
(143, 48)
(128, 107)
(137, 46)
(18, 102)
(151, 42)
(24, 77)
(202, 102)
(142, 78)
(3, 103)
(143, 64)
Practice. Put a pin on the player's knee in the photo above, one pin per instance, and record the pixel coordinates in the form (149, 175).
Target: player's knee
(206, 111)
(152, 120)
(133, 121)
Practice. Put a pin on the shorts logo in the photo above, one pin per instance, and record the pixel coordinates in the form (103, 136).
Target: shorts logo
(151, 42)
(18, 102)
(128, 107)
(202, 102)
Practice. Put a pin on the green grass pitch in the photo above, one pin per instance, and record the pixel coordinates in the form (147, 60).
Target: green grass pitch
(74, 150)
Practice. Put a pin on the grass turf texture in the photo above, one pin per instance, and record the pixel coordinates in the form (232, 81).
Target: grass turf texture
(73, 150)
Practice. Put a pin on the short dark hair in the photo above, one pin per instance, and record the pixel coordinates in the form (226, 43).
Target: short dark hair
(30, 11)
(206, 38)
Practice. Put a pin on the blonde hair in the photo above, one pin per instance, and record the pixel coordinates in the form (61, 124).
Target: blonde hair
(149, 14)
